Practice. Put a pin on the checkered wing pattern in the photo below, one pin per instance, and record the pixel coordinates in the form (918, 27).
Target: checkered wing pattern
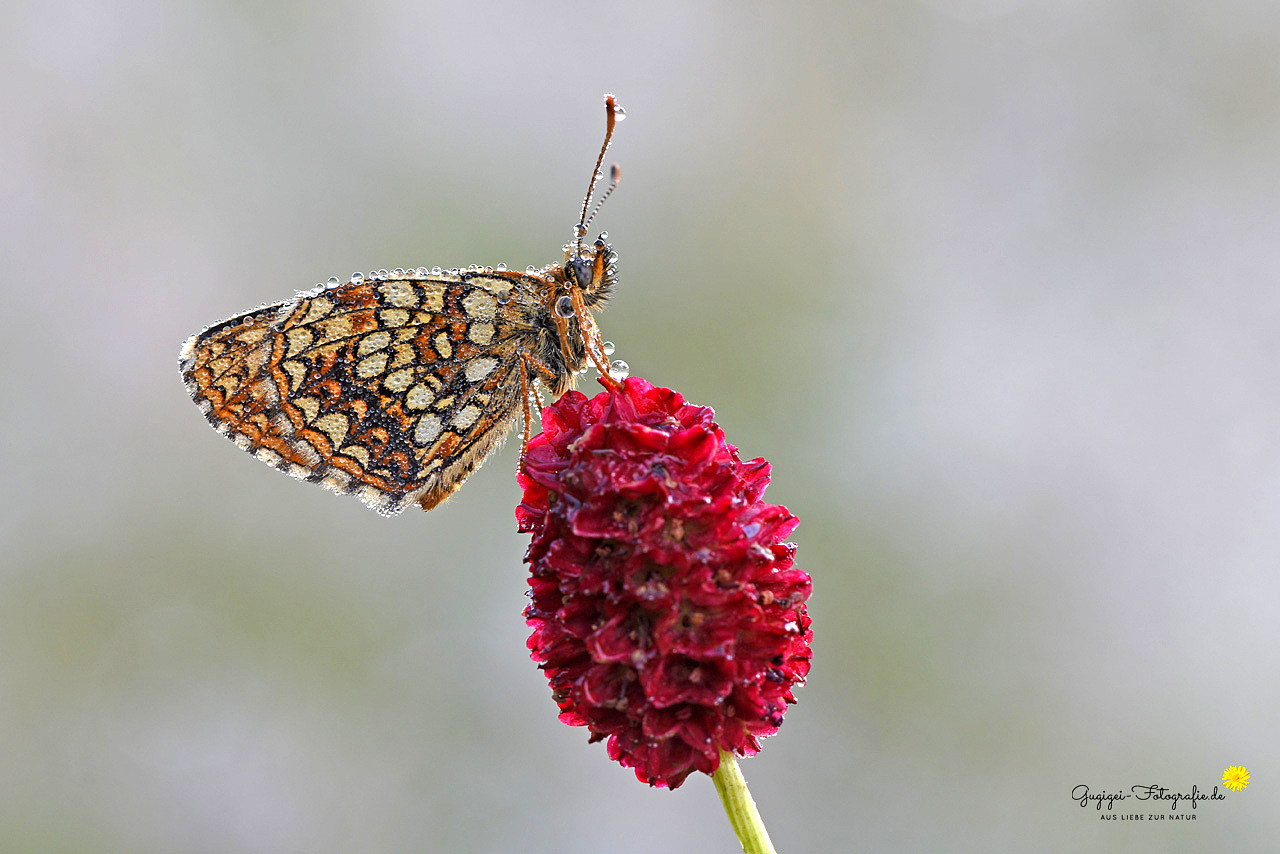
(393, 389)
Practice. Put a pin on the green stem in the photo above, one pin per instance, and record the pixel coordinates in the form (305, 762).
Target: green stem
(741, 809)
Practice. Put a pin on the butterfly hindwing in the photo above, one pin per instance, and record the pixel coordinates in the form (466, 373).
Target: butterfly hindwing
(393, 388)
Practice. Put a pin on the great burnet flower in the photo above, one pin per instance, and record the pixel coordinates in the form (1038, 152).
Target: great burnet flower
(666, 610)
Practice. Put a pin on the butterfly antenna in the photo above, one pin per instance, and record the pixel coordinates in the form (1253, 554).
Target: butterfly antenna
(615, 175)
(612, 112)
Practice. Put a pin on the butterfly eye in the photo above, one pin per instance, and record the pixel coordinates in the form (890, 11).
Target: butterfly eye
(579, 270)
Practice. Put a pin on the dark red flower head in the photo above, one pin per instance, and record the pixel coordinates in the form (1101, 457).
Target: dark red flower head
(666, 611)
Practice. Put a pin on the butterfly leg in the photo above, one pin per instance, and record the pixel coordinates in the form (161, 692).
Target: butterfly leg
(528, 415)
(531, 369)
(591, 338)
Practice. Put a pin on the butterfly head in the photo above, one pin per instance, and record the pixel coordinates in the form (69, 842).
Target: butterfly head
(593, 269)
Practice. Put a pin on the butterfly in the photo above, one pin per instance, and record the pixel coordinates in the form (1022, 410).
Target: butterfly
(397, 385)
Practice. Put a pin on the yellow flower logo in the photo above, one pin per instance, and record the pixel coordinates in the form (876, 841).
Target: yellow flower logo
(1235, 778)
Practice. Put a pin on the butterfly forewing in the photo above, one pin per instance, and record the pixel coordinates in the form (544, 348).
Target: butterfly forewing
(394, 389)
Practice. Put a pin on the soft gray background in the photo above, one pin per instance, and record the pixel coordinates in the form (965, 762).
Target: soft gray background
(991, 282)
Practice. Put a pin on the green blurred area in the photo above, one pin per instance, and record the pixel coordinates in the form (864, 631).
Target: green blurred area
(992, 283)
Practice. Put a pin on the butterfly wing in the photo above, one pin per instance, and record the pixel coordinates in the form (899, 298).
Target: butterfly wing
(395, 389)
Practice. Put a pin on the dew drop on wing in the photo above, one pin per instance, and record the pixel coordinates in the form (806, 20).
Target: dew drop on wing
(357, 278)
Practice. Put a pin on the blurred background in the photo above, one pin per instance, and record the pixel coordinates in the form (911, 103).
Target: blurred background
(991, 282)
